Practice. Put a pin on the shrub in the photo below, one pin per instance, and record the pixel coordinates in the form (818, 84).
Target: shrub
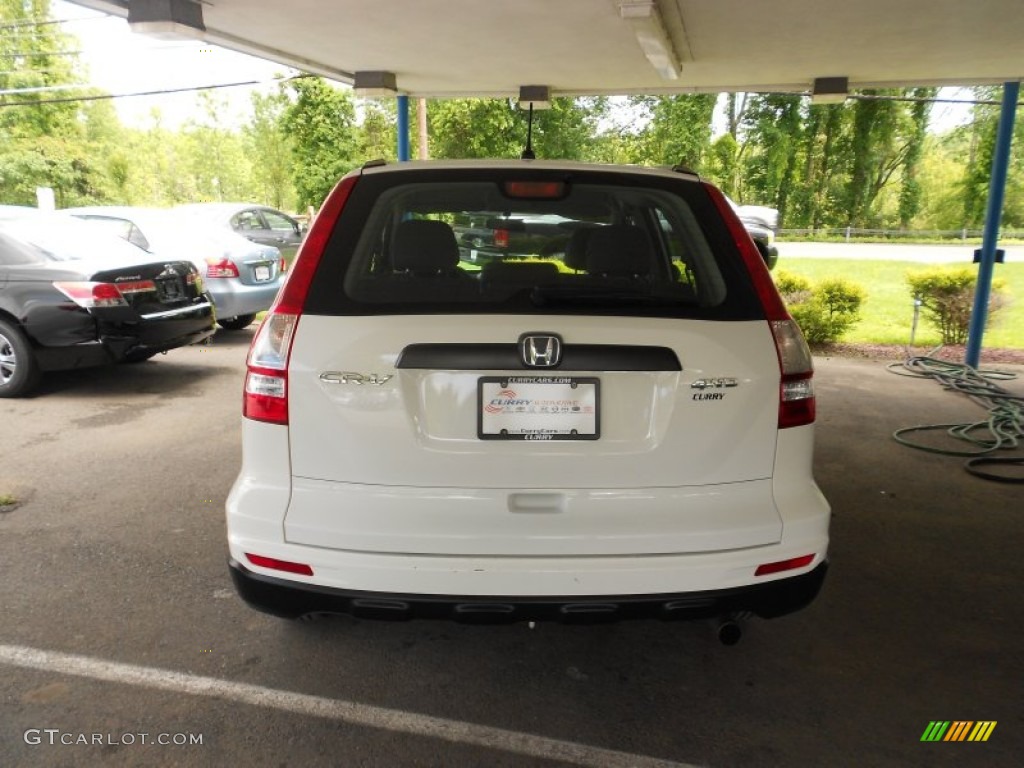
(947, 299)
(824, 311)
(790, 285)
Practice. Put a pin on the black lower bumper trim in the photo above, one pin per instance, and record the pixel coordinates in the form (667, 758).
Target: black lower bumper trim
(291, 599)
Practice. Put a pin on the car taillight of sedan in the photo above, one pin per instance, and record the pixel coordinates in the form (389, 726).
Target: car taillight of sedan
(221, 268)
(95, 295)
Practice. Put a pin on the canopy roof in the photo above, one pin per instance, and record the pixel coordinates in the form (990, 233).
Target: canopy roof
(459, 48)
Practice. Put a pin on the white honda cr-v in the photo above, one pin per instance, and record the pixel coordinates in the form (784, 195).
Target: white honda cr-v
(609, 416)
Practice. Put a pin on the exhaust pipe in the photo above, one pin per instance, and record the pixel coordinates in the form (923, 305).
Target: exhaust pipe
(729, 631)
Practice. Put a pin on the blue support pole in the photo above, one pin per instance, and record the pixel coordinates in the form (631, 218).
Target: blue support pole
(996, 193)
(403, 129)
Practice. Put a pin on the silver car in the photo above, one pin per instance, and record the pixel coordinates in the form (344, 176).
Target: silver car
(258, 223)
(243, 277)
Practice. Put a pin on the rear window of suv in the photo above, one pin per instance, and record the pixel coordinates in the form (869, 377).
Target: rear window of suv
(498, 241)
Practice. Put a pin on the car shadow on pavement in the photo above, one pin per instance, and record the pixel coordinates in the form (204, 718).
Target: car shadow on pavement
(242, 338)
(159, 376)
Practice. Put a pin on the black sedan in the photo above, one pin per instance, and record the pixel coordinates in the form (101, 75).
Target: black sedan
(71, 298)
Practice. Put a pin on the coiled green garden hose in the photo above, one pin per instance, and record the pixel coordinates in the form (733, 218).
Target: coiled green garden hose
(1002, 430)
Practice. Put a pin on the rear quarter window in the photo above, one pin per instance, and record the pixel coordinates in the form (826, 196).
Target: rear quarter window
(470, 241)
(14, 252)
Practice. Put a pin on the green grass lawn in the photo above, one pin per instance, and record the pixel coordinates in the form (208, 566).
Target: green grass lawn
(888, 311)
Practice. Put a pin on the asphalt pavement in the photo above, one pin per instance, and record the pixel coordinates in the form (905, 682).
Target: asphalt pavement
(121, 630)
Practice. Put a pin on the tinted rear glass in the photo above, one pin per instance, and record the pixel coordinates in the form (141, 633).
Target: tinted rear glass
(499, 241)
(64, 238)
(15, 252)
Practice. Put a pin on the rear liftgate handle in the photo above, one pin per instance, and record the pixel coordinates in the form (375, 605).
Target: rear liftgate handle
(537, 502)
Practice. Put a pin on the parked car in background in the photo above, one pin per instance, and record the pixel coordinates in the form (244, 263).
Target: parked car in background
(243, 277)
(258, 223)
(613, 418)
(71, 297)
(484, 236)
(761, 223)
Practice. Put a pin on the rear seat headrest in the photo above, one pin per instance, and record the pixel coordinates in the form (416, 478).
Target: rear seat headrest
(576, 249)
(619, 250)
(422, 245)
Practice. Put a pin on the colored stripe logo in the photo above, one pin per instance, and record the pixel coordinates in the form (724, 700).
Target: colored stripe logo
(958, 730)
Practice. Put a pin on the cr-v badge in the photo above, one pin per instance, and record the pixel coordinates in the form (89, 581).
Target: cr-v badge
(337, 377)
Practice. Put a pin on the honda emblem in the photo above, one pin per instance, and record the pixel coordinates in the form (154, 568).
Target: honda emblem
(540, 350)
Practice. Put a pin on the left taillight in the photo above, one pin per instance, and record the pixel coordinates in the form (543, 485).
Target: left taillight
(95, 295)
(266, 380)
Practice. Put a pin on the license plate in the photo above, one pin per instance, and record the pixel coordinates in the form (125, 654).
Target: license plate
(538, 408)
(261, 273)
(170, 289)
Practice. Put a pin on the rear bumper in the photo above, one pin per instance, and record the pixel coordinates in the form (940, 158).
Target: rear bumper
(291, 599)
(158, 334)
(232, 298)
(103, 340)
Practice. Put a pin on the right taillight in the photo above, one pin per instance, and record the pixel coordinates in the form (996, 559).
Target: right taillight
(796, 393)
(266, 380)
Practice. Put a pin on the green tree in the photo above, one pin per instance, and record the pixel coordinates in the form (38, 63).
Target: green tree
(321, 121)
(270, 150)
(159, 178)
(774, 124)
(213, 156)
(567, 130)
(822, 165)
(105, 139)
(470, 128)
(379, 128)
(983, 128)
(723, 164)
(42, 144)
(678, 130)
(474, 128)
(910, 192)
(32, 58)
(882, 139)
